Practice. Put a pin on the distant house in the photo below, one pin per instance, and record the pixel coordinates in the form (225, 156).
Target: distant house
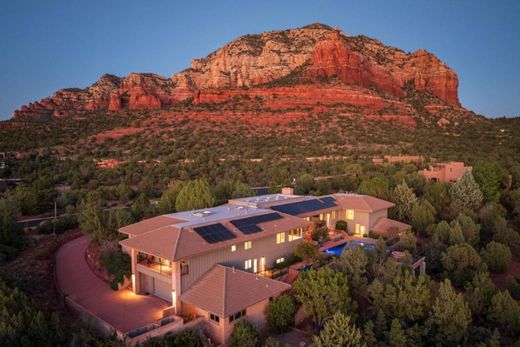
(211, 262)
(445, 172)
(392, 159)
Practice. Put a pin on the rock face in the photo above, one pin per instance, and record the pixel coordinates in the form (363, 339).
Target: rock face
(296, 59)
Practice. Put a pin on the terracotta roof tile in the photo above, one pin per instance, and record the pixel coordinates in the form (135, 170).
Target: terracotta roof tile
(362, 202)
(231, 290)
(387, 227)
(150, 224)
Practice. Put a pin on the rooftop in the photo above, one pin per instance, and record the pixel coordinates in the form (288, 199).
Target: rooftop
(231, 291)
(267, 200)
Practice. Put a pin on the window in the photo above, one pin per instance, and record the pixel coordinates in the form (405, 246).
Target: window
(333, 214)
(349, 214)
(214, 317)
(322, 217)
(280, 260)
(233, 248)
(248, 264)
(237, 315)
(280, 237)
(247, 245)
(295, 234)
(185, 267)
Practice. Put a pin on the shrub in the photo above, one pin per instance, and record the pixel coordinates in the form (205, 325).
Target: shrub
(117, 264)
(320, 233)
(496, 256)
(280, 313)
(244, 335)
(341, 225)
(307, 251)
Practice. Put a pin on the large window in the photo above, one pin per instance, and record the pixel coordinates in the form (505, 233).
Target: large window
(237, 315)
(295, 234)
(233, 248)
(247, 245)
(185, 267)
(280, 237)
(248, 264)
(349, 214)
(214, 317)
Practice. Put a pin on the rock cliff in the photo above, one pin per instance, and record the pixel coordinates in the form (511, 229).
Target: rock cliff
(307, 60)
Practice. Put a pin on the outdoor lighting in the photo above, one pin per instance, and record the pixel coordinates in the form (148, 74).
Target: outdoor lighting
(133, 283)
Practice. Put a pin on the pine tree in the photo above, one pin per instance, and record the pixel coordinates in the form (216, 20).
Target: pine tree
(91, 216)
(167, 201)
(396, 336)
(339, 332)
(450, 316)
(369, 335)
(466, 193)
(404, 199)
(195, 195)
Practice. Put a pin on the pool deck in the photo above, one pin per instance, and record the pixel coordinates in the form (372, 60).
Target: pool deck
(346, 238)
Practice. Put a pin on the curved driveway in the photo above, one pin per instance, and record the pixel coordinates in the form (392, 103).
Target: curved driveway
(121, 309)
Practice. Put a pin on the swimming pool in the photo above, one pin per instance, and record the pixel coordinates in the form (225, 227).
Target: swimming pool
(337, 250)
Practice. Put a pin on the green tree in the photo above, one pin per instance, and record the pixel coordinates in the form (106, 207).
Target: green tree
(489, 176)
(369, 335)
(470, 229)
(10, 235)
(124, 192)
(465, 193)
(91, 219)
(280, 313)
(168, 198)
(195, 195)
(449, 234)
(479, 291)
(339, 331)
(244, 335)
(396, 336)
(353, 263)
(141, 206)
(341, 225)
(496, 256)
(504, 312)
(304, 184)
(450, 316)
(422, 216)
(404, 199)
(376, 186)
(461, 262)
(307, 251)
(241, 190)
(323, 292)
(438, 196)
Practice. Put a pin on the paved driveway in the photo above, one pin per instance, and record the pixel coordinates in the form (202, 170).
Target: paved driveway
(121, 309)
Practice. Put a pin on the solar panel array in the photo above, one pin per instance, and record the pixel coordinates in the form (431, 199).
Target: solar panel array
(250, 225)
(301, 207)
(214, 233)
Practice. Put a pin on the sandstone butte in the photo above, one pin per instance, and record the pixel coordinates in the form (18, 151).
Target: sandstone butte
(313, 66)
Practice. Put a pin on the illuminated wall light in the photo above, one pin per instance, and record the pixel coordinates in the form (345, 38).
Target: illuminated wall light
(133, 284)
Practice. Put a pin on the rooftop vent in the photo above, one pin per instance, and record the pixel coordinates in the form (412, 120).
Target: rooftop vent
(202, 213)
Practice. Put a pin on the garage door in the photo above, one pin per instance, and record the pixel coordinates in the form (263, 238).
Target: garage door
(163, 290)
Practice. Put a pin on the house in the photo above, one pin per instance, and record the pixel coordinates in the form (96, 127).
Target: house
(211, 262)
(445, 172)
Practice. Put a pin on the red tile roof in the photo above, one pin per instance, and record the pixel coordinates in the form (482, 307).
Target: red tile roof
(362, 202)
(147, 225)
(225, 291)
(387, 227)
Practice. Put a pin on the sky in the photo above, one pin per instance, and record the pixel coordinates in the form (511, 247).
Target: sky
(50, 45)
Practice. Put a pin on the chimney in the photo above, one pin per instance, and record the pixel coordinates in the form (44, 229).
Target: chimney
(287, 191)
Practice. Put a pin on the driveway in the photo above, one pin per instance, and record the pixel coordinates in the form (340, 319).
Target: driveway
(122, 309)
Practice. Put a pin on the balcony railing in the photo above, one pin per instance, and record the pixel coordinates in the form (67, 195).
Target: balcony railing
(157, 267)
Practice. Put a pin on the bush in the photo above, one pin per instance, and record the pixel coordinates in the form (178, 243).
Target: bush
(307, 251)
(117, 264)
(280, 313)
(513, 286)
(320, 233)
(496, 256)
(341, 225)
(61, 225)
(244, 335)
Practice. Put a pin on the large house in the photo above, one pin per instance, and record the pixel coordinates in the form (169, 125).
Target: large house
(210, 262)
(445, 172)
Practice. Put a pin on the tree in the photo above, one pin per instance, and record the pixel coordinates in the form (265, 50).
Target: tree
(437, 194)
(376, 186)
(304, 184)
(404, 199)
(479, 291)
(167, 201)
(353, 263)
(241, 190)
(124, 192)
(339, 332)
(461, 262)
(504, 312)
(448, 234)
(465, 193)
(450, 316)
(195, 195)
(368, 334)
(470, 229)
(141, 206)
(422, 216)
(341, 225)
(280, 313)
(323, 292)
(496, 256)
(272, 342)
(10, 235)
(307, 251)
(489, 176)
(91, 220)
(244, 335)
(396, 335)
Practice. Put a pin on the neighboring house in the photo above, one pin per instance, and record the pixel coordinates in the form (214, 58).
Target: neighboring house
(445, 172)
(211, 262)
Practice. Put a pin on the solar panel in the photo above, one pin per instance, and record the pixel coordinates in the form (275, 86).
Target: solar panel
(214, 233)
(250, 225)
(301, 207)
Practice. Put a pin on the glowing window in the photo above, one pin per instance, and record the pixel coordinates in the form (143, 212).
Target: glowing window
(280, 237)
(247, 245)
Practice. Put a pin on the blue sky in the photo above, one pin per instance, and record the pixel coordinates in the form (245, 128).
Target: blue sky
(49, 45)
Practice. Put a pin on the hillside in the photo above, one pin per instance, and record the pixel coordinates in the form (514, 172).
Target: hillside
(287, 74)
